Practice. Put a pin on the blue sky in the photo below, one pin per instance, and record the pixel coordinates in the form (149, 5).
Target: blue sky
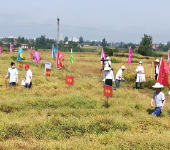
(115, 20)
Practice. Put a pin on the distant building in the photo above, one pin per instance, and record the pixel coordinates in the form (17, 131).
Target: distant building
(24, 45)
(136, 47)
(155, 46)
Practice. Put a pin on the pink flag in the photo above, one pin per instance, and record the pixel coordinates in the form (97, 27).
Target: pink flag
(130, 56)
(0, 50)
(11, 48)
(103, 56)
(37, 57)
(31, 53)
(169, 60)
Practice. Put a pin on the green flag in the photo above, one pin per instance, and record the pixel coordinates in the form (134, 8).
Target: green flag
(71, 56)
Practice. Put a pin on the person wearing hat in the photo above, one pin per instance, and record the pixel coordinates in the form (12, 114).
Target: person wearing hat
(107, 61)
(13, 73)
(157, 65)
(28, 77)
(159, 99)
(108, 76)
(119, 76)
(139, 71)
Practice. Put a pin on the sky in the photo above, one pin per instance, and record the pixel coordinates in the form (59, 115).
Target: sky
(115, 20)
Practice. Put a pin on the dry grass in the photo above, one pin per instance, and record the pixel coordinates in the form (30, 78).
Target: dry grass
(52, 116)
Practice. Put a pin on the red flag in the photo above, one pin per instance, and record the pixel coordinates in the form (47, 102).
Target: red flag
(59, 58)
(163, 74)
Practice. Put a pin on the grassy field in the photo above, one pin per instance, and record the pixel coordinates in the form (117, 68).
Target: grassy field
(53, 116)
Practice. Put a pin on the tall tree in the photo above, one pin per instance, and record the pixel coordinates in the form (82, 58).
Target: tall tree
(145, 47)
(80, 40)
(103, 43)
(65, 39)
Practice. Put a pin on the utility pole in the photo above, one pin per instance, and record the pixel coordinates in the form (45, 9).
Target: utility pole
(57, 32)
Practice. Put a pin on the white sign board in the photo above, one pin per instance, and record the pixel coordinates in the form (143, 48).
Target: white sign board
(47, 66)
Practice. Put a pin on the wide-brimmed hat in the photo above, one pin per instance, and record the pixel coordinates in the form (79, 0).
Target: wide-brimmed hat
(140, 62)
(157, 60)
(123, 67)
(107, 58)
(107, 68)
(158, 85)
(27, 66)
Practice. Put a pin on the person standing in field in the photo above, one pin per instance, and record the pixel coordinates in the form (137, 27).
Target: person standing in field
(28, 77)
(108, 76)
(157, 65)
(159, 99)
(119, 76)
(107, 61)
(13, 73)
(139, 71)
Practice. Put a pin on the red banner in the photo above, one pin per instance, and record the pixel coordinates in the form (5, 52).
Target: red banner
(20, 65)
(107, 91)
(48, 72)
(59, 58)
(163, 74)
(69, 80)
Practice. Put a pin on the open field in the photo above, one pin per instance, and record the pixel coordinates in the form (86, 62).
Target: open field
(52, 116)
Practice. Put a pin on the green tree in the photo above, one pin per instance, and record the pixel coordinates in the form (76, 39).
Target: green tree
(65, 39)
(92, 43)
(81, 40)
(145, 47)
(103, 43)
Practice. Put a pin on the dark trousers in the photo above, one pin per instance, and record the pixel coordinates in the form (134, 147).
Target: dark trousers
(117, 83)
(28, 86)
(156, 76)
(12, 84)
(108, 82)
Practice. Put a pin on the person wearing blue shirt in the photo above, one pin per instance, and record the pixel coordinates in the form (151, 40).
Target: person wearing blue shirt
(13, 73)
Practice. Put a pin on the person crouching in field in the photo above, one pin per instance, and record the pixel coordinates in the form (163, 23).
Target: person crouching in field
(139, 71)
(13, 73)
(119, 76)
(157, 65)
(108, 76)
(28, 77)
(159, 99)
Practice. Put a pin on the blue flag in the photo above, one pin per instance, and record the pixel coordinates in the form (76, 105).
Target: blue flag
(54, 51)
(20, 51)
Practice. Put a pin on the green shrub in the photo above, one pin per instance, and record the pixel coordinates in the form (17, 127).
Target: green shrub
(13, 58)
(130, 76)
(134, 61)
(149, 84)
(4, 50)
(114, 60)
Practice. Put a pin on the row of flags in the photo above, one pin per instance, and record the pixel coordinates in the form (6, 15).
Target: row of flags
(60, 56)
(37, 55)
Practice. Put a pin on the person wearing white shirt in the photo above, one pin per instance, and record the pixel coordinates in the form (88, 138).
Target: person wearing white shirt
(157, 65)
(139, 71)
(107, 62)
(28, 77)
(13, 73)
(119, 76)
(108, 76)
(159, 99)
